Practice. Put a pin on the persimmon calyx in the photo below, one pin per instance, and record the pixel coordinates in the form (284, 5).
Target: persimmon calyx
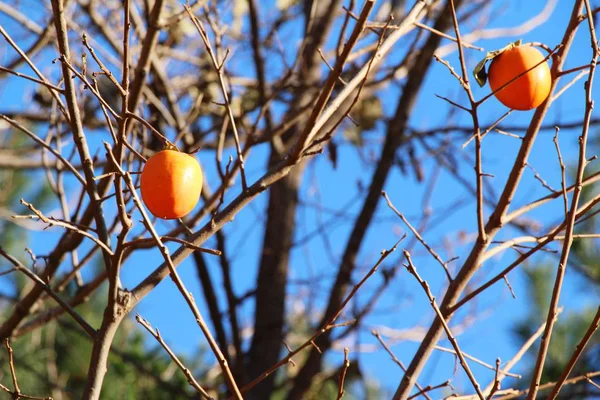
(170, 146)
(479, 71)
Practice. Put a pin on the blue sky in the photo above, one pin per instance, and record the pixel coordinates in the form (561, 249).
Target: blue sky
(404, 304)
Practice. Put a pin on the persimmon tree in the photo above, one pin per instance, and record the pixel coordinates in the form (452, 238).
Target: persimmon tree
(277, 100)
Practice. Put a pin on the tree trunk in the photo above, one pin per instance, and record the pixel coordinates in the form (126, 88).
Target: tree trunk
(272, 279)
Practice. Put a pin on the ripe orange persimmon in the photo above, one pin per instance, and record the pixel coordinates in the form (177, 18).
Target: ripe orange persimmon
(528, 91)
(171, 183)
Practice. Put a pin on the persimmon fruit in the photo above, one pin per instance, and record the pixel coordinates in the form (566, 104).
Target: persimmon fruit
(530, 89)
(171, 184)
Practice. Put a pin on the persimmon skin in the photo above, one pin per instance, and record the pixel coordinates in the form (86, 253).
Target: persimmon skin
(528, 91)
(171, 184)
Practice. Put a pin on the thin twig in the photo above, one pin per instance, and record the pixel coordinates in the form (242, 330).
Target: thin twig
(330, 324)
(11, 363)
(31, 65)
(89, 330)
(517, 357)
(492, 127)
(219, 69)
(31, 78)
(46, 146)
(563, 179)
(188, 374)
(397, 361)
(453, 103)
(478, 361)
(343, 372)
(571, 70)
(442, 34)
(429, 388)
(51, 221)
(542, 243)
(590, 180)
(137, 242)
(88, 85)
(537, 176)
(496, 384)
(418, 236)
(576, 354)
(16, 394)
(413, 271)
(148, 125)
(594, 384)
(568, 85)
(510, 394)
(106, 71)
